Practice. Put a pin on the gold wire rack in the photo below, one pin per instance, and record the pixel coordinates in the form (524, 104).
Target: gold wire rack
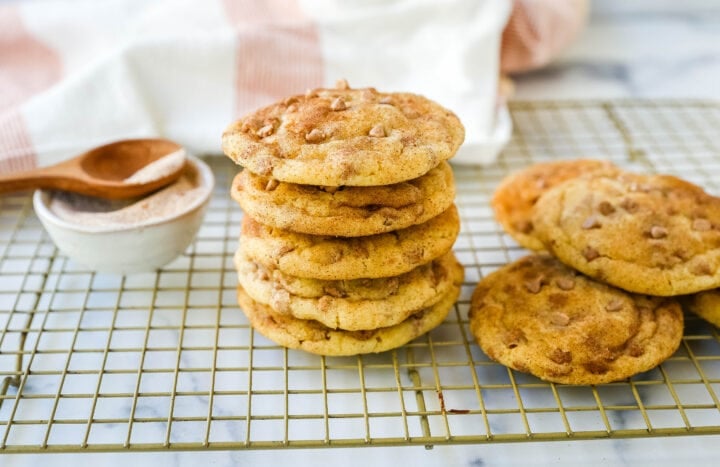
(166, 361)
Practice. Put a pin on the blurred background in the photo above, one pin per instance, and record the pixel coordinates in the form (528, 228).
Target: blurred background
(77, 74)
(639, 48)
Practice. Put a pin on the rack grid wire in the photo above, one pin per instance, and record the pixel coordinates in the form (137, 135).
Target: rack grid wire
(167, 361)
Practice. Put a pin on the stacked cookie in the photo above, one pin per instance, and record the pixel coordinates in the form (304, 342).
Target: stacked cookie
(349, 219)
(625, 245)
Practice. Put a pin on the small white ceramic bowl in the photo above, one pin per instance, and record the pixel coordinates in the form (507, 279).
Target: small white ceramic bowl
(141, 247)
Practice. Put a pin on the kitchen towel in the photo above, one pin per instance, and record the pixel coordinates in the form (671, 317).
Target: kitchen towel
(78, 74)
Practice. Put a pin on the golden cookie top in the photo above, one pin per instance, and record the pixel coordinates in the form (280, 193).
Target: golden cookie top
(344, 136)
(515, 197)
(654, 234)
(538, 316)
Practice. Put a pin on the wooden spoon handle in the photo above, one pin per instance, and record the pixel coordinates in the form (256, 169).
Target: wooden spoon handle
(59, 176)
(100, 172)
(28, 180)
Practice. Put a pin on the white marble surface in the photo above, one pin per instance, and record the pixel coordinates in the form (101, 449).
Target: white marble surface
(646, 49)
(671, 452)
(639, 48)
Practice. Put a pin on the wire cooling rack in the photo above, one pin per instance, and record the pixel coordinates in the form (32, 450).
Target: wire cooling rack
(165, 361)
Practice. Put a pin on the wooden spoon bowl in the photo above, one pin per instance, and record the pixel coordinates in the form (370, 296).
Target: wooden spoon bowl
(101, 171)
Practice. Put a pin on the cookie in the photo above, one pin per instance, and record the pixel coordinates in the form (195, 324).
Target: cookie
(331, 258)
(652, 234)
(517, 194)
(345, 211)
(313, 337)
(538, 316)
(352, 305)
(343, 136)
(706, 305)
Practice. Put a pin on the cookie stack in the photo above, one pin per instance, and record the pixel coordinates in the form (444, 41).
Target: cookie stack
(602, 305)
(349, 222)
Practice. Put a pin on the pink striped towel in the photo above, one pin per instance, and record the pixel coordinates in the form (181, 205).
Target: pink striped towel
(78, 74)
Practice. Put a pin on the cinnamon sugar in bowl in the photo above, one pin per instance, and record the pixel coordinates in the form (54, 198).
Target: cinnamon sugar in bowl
(138, 235)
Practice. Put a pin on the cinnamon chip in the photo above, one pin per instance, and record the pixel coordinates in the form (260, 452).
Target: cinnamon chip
(606, 208)
(283, 250)
(590, 253)
(565, 283)
(342, 84)
(560, 356)
(315, 136)
(338, 104)
(369, 94)
(559, 319)
(523, 226)
(280, 300)
(324, 303)
(642, 187)
(591, 223)
(329, 189)
(596, 368)
(701, 225)
(657, 232)
(635, 350)
(272, 184)
(264, 167)
(513, 338)
(265, 131)
(328, 256)
(701, 269)
(534, 285)
(629, 205)
(614, 305)
(334, 292)
(377, 131)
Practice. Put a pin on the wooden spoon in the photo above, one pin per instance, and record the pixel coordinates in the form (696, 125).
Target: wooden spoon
(102, 171)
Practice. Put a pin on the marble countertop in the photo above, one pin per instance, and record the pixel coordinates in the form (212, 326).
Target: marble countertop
(643, 49)
(647, 49)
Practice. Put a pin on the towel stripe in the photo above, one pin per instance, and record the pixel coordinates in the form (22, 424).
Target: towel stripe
(16, 151)
(277, 52)
(28, 67)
